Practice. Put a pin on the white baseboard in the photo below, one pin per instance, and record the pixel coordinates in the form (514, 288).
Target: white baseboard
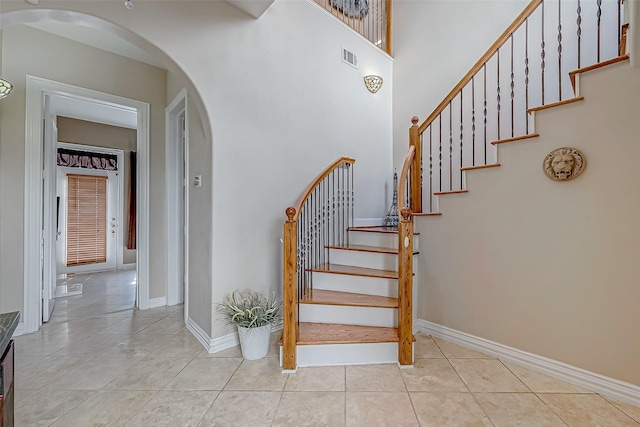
(157, 302)
(609, 387)
(367, 222)
(212, 345)
(130, 266)
(19, 330)
(200, 335)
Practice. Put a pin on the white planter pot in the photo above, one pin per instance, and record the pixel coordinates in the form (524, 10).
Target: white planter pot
(254, 342)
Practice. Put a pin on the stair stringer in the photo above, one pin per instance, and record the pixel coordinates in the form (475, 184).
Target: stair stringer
(542, 266)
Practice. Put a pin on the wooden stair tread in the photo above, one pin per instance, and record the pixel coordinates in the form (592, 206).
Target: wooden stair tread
(427, 214)
(471, 168)
(555, 104)
(444, 193)
(367, 248)
(355, 271)
(377, 229)
(515, 138)
(322, 296)
(331, 333)
(572, 74)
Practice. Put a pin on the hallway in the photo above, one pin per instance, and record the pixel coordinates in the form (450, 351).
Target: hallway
(101, 362)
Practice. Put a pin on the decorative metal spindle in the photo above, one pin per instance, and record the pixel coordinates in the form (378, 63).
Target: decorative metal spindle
(421, 169)
(526, 72)
(484, 68)
(473, 121)
(498, 92)
(579, 31)
(450, 146)
(333, 207)
(619, 33)
(559, 51)
(353, 202)
(328, 213)
(512, 89)
(598, 17)
(430, 168)
(440, 153)
(542, 54)
(461, 138)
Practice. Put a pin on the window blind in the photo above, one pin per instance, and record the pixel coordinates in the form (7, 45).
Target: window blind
(86, 219)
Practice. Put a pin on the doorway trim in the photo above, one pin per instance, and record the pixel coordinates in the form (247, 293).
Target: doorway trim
(36, 89)
(175, 182)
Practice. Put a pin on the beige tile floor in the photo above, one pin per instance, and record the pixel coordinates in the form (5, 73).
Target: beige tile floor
(99, 362)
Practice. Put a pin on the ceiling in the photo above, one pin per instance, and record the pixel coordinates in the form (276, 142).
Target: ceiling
(113, 114)
(99, 39)
(102, 40)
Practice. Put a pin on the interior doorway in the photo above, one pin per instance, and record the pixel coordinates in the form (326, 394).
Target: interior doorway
(39, 241)
(177, 149)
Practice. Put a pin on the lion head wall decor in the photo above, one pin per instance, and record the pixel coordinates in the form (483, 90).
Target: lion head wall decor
(564, 164)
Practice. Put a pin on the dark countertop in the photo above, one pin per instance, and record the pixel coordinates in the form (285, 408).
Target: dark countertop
(8, 324)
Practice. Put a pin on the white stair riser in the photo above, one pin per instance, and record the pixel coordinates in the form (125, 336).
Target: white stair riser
(348, 315)
(346, 354)
(383, 240)
(356, 284)
(365, 259)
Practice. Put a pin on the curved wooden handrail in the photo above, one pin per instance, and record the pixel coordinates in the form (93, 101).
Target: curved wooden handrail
(404, 175)
(293, 215)
(531, 7)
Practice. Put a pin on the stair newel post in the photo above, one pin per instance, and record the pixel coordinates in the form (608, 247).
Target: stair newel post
(290, 297)
(415, 181)
(405, 288)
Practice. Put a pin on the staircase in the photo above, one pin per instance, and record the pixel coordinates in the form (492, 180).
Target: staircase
(348, 291)
(351, 314)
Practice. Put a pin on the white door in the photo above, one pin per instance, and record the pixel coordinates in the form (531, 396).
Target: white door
(183, 204)
(111, 221)
(49, 214)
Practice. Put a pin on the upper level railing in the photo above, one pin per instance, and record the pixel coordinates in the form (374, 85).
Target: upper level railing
(528, 66)
(320, 218)
(370, 18)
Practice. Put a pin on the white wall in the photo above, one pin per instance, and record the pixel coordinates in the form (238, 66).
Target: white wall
(277, 106)
(435, 43)
(287, 109)
(549, 267)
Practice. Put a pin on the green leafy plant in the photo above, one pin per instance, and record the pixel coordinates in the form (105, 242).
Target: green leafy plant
(250, 309)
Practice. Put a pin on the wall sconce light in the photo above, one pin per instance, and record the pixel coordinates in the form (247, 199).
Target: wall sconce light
(5, 88)
(373, 83)
(128, 4)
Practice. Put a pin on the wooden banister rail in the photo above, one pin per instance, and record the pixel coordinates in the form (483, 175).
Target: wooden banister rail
(407, 166)
(405, 269)
(504, 37)
(321, 176)
(320, 217)
(414, 179)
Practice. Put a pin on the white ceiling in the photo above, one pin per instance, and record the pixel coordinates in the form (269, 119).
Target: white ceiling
(102, 40)
(99, 39)
(114, 114)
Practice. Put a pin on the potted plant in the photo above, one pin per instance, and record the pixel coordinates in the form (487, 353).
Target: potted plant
(253, 313)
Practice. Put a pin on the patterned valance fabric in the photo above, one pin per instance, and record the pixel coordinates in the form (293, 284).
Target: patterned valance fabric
(87, 159)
